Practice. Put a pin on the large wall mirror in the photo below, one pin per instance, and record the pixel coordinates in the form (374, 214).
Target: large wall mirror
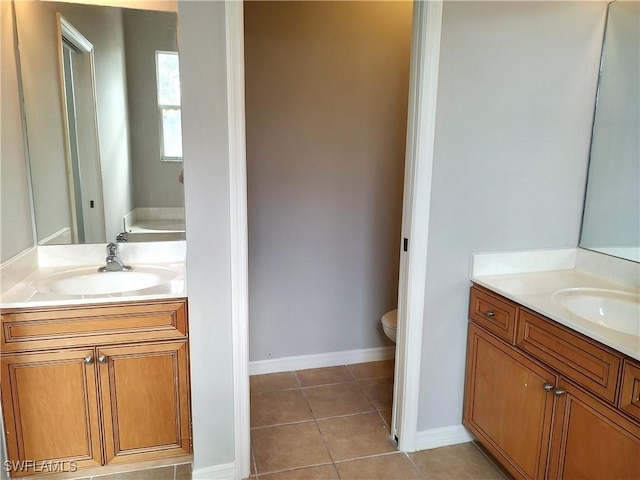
(102, 114)
(611, 220)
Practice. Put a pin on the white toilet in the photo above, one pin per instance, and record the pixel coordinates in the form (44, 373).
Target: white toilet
(390, 324)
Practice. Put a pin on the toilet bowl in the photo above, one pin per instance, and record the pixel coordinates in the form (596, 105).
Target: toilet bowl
(389, 324)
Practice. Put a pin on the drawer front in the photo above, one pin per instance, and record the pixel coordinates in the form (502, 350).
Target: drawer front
(24, 330)
(493, 313)
(630, 390)
(578, 358)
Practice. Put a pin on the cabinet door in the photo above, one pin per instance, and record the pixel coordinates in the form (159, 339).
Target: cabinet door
(145, 401)
(50, 407)
(592, 440)
(506, 405)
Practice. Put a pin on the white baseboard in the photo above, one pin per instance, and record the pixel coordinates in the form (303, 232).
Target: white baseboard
(226, 471)
(441, 437)
(320, 360)
(61, 237)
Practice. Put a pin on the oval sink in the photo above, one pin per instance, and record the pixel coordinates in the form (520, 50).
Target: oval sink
(88, 281)
(611, 309)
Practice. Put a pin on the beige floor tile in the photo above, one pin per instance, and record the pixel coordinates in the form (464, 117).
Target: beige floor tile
(323, 472)
(356, 436)
(379, 391)
(273, 382)
(324, 376)
(340, 399)
(365, 371)
(275, 408)
(162, 473)
(382, 467)
(183, 471)
(463, 461)
(288, 446)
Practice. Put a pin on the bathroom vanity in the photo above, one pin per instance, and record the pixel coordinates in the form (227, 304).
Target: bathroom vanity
(97, 379)
(545, 399)
(96, 385)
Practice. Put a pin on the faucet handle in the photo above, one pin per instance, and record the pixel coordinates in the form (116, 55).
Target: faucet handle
(112, 249)
(122, 237)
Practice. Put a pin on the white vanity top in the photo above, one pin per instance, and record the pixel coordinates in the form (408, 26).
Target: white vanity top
(533, 278)
(21, 276)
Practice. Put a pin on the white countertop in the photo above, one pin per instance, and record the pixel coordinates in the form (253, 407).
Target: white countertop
(534, 290)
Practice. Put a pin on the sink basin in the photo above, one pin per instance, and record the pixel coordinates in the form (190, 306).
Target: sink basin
(611, 309)
(88, 281)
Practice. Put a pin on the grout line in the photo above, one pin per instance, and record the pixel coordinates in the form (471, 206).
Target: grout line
(295, 374)
(419, 471)
(364, 457)
(293, 469)
(299, 422)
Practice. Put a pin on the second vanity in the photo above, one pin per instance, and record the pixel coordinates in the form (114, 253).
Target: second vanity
(94, 380)
(549, 392)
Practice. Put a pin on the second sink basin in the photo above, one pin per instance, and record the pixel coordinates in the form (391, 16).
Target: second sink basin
(88, 281)
(611, 309)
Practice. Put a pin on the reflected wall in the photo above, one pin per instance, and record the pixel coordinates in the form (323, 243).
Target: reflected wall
(611, 222)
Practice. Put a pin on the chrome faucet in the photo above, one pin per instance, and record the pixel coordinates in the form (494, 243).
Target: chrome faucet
(114, 263)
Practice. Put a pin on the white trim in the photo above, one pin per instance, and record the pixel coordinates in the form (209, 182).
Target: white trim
(73, 35)
(226, 471)
(234, 26)
(442, 437)
(320, 360)
(427, 25)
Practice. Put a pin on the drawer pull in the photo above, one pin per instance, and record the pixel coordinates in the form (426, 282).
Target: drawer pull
(102, 359)
(548, 387)
(559, 392)
(490, 313)
(88, 360)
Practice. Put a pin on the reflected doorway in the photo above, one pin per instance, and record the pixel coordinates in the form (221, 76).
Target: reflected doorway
(84, 175)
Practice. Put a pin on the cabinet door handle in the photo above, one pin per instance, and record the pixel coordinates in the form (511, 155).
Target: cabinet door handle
(548, 387)
(102, 359)
(88, 360)
(490, 313)
(559, 392)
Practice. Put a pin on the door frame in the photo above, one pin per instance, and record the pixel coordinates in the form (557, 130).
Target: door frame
(89, 162)
(427, 23)
(416, 205)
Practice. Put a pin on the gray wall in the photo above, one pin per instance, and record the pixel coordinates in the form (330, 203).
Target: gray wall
(515, 101)
(155, 183)
(612, 211)
(326, 109)
(202, 56)
(16, 232)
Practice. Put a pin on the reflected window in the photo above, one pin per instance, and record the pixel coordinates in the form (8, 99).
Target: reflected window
(168, 80)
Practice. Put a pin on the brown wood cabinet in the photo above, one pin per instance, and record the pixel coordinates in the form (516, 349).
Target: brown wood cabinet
(98, 394)
(548, 402)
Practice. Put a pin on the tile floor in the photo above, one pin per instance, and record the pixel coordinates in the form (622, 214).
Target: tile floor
(333, 423)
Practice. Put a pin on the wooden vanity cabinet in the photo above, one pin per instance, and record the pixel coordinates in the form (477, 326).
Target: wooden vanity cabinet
(548, 402)
(506, 404)
(112, 390)
(50, 407)
(592, 440)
